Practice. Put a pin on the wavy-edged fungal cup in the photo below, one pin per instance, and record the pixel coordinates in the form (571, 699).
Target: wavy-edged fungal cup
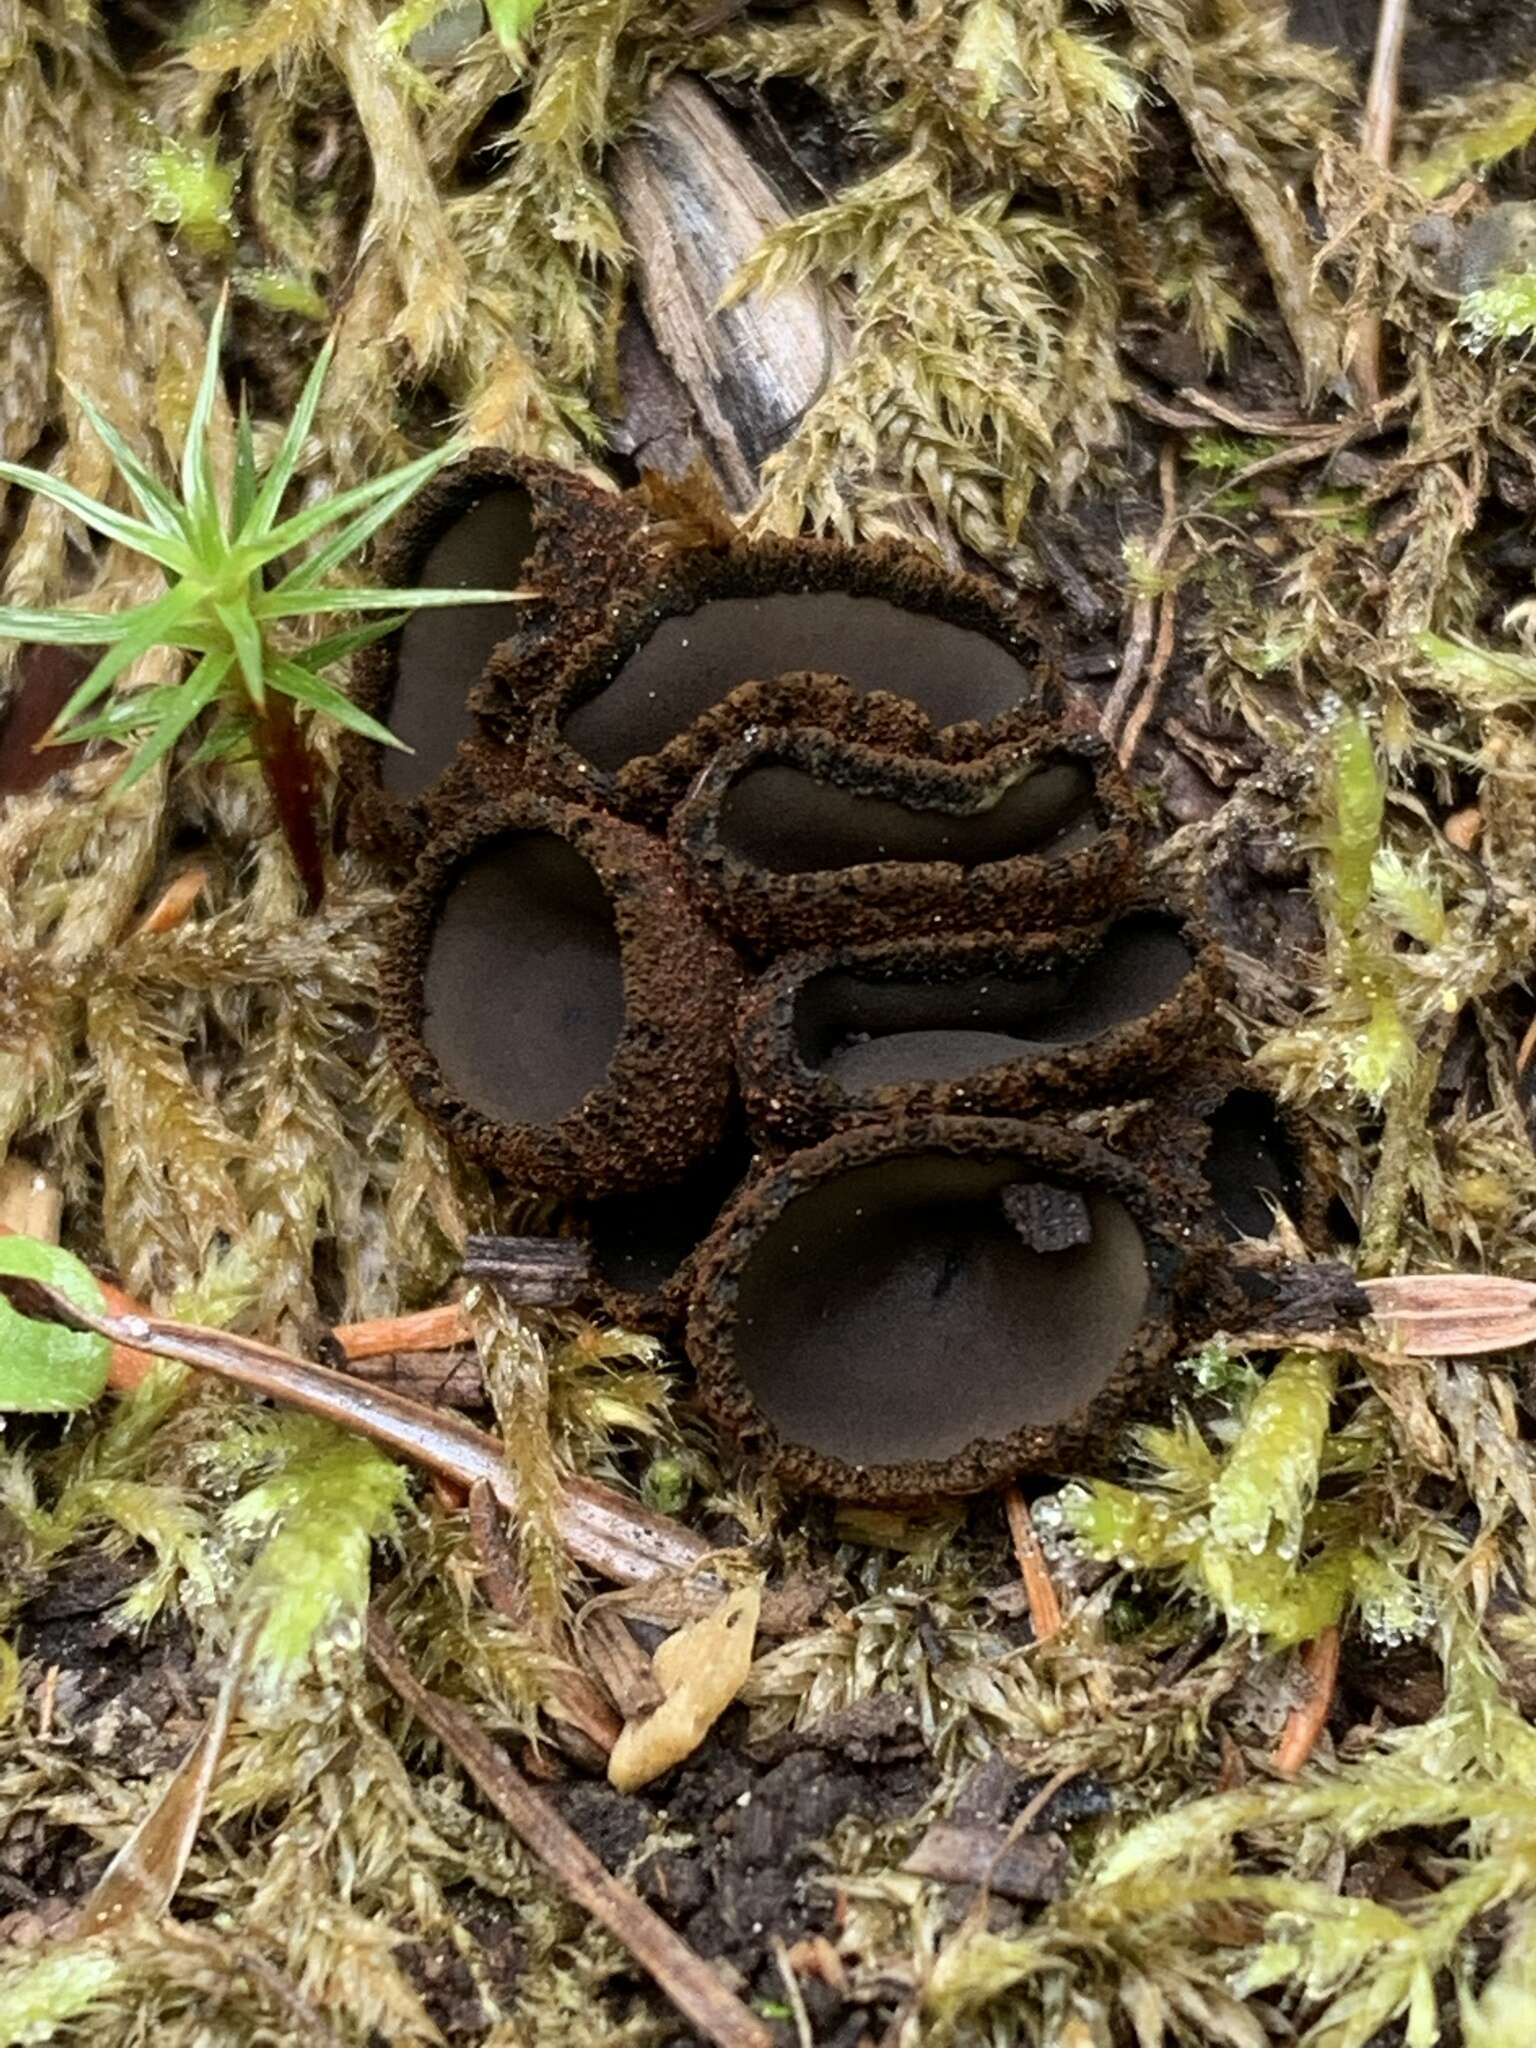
(488, 521)
(982, 1023)
(874, 717)
(930, 1306)
(627, 723)
(797, 838)
(555, 1003)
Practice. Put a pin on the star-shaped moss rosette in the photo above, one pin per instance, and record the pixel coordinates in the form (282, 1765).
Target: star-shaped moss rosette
(238, 591)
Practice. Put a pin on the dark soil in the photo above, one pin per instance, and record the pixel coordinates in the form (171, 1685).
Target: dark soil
(749, 1870)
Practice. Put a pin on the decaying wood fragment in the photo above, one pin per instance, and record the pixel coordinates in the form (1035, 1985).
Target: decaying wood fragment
(618, 1662)
(694, 206)
(1031, 1869)
(531, 1272)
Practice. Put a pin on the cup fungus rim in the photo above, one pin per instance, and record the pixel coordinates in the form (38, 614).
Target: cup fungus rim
(652, 1112)
(760, 1203)
(785, 1095)
(396, 827)
(770, 565)
(798, 910)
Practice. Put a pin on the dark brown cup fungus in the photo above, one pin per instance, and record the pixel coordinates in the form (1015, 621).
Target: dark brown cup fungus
(797, 838)
(618, 727)
(928, 1307)
(555, 1003)
(981, 1023)
(489, 521)
(875, 718)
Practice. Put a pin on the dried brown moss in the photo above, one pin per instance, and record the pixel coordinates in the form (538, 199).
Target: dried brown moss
(930, 1306)
(977, 1023)
(797, 838)
(619, 724)
(556, 1005)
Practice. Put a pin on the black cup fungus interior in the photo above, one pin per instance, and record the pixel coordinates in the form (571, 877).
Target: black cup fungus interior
(441, 652)
(693, 659)
(785, 819)
(1251, 1156)
(869, 1030)
(897, 1312)
(524, 986)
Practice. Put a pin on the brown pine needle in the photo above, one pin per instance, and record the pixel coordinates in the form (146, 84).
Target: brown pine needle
(1044, 1606)
(684, 1976)
(1305, 1723)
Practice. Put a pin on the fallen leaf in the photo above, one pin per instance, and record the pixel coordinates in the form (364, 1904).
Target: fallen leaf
(1453, 1315)
(700, 1671)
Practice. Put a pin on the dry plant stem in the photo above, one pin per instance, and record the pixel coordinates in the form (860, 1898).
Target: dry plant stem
(174, 904)
(1044, 1606)
(1305, 1723)
(430, 1329)
(1376, 130)
(685, 1978)
(1144, 612)
(616, 1538)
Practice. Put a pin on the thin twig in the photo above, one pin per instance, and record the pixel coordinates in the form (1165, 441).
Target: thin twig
(1162, 654)
(794, 1996)
(617, 1538)
(1144, 612)
(429, 1329)
(684, 1976)
(1306, 1722)
(1376, 131)
(1044, 1607)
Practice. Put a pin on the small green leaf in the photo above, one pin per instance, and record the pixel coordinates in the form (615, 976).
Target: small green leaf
(196, 462)
(307, 688)
(168, 551)
(67, 628)
(154, 626)
(193, 698)
(512, 19)
(291, 604)
(337, 646)
(286, 461)
(155, 501)
(243, 495)
(315, 518)
(245, 635)
(45, 1370)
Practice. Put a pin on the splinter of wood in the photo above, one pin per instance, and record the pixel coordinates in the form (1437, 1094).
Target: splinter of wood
(1049, 1219)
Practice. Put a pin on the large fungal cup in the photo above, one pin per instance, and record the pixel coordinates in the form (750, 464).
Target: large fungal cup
(788, 817)
(1253, 1164)
(639, 708)
(525, 981)
(983, 1022)
(946, 1018)
(557, 1005)
(693, 659)
(930, 1306)
(801, 837)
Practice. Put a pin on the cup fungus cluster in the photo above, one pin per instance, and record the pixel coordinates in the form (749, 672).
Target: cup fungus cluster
(768, 909)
